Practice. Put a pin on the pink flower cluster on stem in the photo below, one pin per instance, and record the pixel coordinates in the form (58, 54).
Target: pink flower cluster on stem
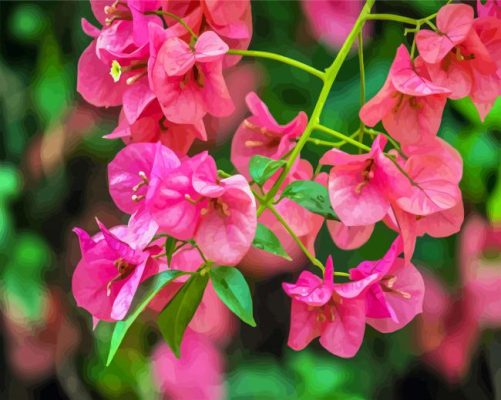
(163, 63)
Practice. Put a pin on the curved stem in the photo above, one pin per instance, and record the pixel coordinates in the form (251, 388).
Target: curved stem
(161, 13)
(279, 58)
(340, 135)
(330, 76)
(291, 232)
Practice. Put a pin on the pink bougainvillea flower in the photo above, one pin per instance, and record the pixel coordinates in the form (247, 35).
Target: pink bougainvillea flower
(454, 22)
(397, 296)
(261, 134)
(228, 217)
(491, 8)
(457, 58)
(434, 186)
(409, 104)
(112, 266)
(134, 172)
(305, 224)
(197, 374)
(357, 189)
(189, 82)
(349, 237)
(332, 20)
(152, 126)
(94, 82)
(230, 19)
(116, 60)
(174, 203)
(335, 312)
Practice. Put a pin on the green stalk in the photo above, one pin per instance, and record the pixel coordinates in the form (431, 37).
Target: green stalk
(279, 58)
(330, 76)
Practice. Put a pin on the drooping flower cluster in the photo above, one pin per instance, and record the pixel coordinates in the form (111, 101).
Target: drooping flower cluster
(163, 62)
(148, 59)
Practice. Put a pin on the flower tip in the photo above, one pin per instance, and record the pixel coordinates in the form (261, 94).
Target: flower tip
(116, 71)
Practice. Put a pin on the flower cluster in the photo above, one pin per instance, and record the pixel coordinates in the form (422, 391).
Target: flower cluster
(191, 223)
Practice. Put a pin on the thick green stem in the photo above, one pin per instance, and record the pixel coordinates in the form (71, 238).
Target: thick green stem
(330, 76)
(342, 136)
(362, 82)
(279, 58)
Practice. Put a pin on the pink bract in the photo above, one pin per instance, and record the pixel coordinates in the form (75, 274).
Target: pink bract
(409, 104)
(228, 217)
(134, 173)
(335, 312)
(189, 82)
(357, 189)
(261, 134)
(397, 295)
(112, 266)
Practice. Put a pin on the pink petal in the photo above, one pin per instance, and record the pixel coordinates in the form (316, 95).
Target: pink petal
(304, 325)
(434, 188)
(343, 337)
(136, 98)
(454, 21)
(410, 282)
(94, 81)
(226, 238)
(126, 293)
(89, 29)
(356, 207)
(349, 237)
(178, 57)
(209, 47)
(309, 289)
(406, 80)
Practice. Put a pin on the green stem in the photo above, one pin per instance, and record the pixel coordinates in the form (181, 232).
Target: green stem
(347, 275)
(161, 13)
(392, 17)
(279, 58)
(320, 142)
(340, 135)
(413, 47)
(291, 232)
(330, 75)
(362, 82)
(390, 139)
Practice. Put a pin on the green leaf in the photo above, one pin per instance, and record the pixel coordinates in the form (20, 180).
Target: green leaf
(121, 327)
(262, 168)
(170, 246)
(232, 289)
(266, 240)
(174, 319)
(311, 195)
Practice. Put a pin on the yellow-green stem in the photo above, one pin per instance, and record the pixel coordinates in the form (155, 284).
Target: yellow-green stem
(330, 76)
(279, 58)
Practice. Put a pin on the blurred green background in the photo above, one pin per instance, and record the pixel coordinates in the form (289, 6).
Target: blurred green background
(53, 177)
